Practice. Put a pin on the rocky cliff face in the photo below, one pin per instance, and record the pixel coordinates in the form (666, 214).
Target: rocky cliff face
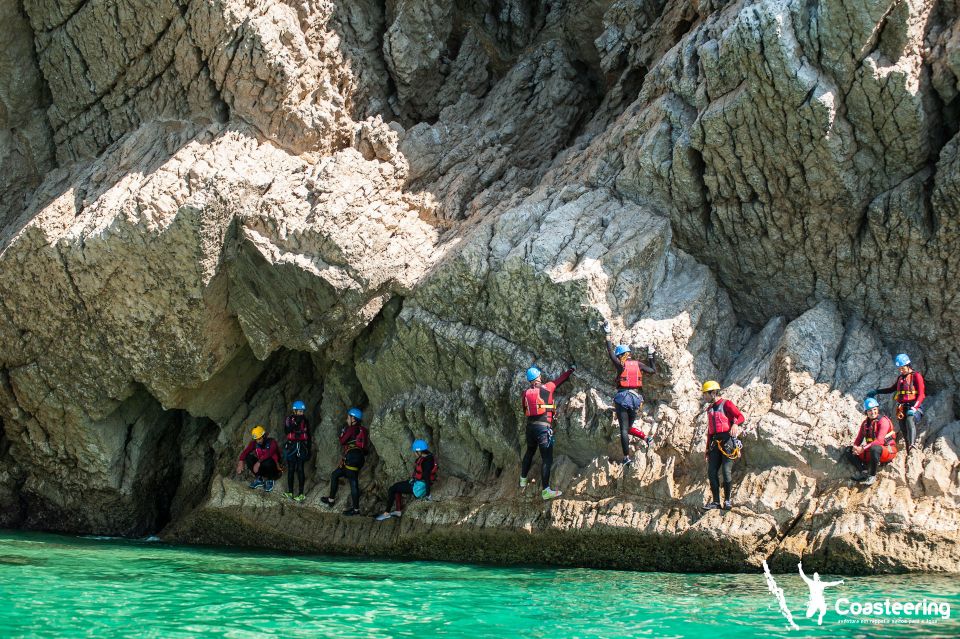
(211, 208)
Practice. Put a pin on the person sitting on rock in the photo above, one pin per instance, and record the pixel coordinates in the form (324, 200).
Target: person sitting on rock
(296, 450)
(354, 441)
(628, 400)
(909, 391)
(538, 406)
(421, 481)
(262, 457)
(879, 444)
(723, 421)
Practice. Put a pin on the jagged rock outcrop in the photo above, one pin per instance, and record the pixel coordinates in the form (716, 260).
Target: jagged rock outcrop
(402, 206)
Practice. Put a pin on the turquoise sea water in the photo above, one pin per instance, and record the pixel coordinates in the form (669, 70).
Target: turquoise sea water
(53, 586)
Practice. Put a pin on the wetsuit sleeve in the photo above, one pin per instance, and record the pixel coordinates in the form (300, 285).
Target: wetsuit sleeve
(648, 366)
(360, 441)
(888, 389)
(288, 425)
(921, 389)
(613, 358)
(246, 451)
(346, 434)
(564, 376)
(733, 413)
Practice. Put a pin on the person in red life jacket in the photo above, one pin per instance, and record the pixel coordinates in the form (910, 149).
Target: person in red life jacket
(723, 427)
(538, 406)
(628, 400)
(425, 470)
(262, 457)
(354, 442)
(909, 391)
(296, 448)
(875, 443)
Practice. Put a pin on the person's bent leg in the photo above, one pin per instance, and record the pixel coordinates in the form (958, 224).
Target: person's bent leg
(395, 491)
(335, 481)
(875, 453)
(854, 459)
(249, 461)
(269, 469)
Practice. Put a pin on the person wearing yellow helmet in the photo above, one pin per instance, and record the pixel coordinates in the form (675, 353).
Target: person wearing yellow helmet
(262, 458)
(723, 422)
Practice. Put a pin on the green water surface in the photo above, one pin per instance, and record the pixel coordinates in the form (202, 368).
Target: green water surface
(53, 586)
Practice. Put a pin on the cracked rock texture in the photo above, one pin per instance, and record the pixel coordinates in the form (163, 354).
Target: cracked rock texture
(210, 208)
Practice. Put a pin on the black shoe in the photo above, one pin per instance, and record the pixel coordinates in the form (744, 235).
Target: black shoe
(350, 512)
(727, 505)
(859, 477)
(327, 501)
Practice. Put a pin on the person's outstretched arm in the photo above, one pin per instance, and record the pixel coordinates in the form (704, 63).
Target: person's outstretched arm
(805, 578)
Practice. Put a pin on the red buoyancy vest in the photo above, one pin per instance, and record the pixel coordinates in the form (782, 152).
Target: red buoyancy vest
(354, 437)
(717, 420)
(299, 431)
(533, 403)
(418, 469)
(266, 449)
(906, 389)
(871, 429)
(632, 376)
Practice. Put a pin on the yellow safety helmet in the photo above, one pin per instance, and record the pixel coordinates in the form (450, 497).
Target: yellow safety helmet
(258, 432)
(710, 385)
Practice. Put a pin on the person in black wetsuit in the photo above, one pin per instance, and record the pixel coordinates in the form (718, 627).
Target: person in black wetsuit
(420, 482)
(296, 449)
(628, 400)
(354, 440)
(538, 406)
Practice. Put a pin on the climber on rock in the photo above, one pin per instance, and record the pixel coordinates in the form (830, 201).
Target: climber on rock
(538, 406)
(628, 400)
(296, 450)
(875, 443)
(262, 457)
(425, 470)
(909, 391)
(723, 447)
(354, 441)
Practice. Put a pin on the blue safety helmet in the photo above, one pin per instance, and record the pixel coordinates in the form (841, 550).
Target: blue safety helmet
(870, 403)
(901, 360)
(621, 349)
(532, 373)
(298, 405)
(356, 413)
(419, 445)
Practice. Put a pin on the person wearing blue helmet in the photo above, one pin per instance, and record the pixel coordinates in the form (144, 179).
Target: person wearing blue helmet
(875, 443)
(628, 400)
(538, 406)
(425, 470)
(909, 391)
(354, 442)
(296, 449)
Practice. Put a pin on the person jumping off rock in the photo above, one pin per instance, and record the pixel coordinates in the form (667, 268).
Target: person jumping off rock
(628, 400)
(879, 443)
(425, 470)
(723, 447)
(262, 458)
(354, 440)
(909, 391)
(816, 603)
(538, 406)
(296, 450)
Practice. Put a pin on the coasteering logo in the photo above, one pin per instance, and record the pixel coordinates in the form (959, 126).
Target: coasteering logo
(853, 610)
